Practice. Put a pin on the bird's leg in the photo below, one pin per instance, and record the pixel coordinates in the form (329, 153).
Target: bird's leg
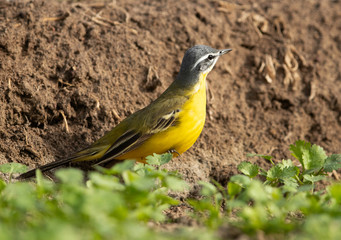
(173, 151)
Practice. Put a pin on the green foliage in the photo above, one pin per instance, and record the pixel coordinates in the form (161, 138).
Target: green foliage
(315, 165)
(332, 163)
(248, 169)
(114, 204)
(156, 159)
(13, 168)
(120, 202)
(313, 158)
(10, 168)
(286, 203)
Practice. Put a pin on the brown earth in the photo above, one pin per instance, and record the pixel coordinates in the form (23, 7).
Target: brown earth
(70, 71)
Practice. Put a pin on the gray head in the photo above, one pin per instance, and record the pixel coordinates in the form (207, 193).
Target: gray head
(198, 60)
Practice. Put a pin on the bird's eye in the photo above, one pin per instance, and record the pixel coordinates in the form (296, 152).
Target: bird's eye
(210, 57)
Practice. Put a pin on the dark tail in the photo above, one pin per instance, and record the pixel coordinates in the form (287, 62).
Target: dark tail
(46, 167)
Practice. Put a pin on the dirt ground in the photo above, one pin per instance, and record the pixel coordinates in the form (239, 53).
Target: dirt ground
(70, 71)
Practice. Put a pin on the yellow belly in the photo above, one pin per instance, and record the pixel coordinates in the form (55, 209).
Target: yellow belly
(181, 136)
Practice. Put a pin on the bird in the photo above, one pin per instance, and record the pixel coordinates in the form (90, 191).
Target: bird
(172, 123)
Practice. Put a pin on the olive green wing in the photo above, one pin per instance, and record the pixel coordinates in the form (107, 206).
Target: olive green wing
(142, 125)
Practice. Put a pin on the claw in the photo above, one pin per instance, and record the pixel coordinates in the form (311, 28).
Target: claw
(173, 151)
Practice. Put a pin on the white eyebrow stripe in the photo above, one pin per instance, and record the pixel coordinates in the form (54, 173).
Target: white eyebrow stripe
(204, 57)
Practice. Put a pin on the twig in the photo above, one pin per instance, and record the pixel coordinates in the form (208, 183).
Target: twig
(53, 19)
(65, 121)
(336, 175)
(118, 118)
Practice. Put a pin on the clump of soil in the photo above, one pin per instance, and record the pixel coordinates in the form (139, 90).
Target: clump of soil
(70, 71)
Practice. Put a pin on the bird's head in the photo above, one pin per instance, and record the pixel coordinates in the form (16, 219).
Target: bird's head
(198, 60)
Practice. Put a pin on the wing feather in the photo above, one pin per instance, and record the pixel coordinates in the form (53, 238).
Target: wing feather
(132, 139)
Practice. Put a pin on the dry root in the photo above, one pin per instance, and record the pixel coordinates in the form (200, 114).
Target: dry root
(290, 65)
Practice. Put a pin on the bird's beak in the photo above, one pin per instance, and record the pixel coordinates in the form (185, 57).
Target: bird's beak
(222, 52)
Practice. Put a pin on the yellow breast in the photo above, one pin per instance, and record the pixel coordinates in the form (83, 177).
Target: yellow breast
(184, 134)
(192, 116)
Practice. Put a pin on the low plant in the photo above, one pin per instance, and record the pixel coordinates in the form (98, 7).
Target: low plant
(287, 199)
(294, 199)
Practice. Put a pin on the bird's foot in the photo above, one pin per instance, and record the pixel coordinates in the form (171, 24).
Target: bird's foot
(173, 151)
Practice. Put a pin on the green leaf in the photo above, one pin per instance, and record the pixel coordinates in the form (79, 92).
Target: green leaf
(290, 185)
(154, 159)
(21, 195)
(130, 177)
(257, 191)
(233, 189)
(70, 176)
(290, 172)
(208, 189)
(298, 148)
(2, 185)
(305, 188)
(274, 173)
(165, 158)
(312, 178)
(335, 192)
(333, 162)
(287, 163)
(13, 168)
(157, 159)
(175, 183)
(43, 185)
(138, 182)
(241, 180)
(121, 167)
(314, 157)
(248, 169)
(106, 181)
(321, 226)
(142, 169)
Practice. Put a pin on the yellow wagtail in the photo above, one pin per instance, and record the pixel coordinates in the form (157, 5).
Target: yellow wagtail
(171, 123)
